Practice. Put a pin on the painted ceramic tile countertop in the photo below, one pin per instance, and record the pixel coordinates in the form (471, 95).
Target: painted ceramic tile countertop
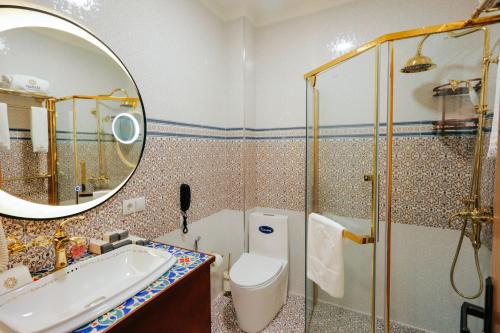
(187, 261)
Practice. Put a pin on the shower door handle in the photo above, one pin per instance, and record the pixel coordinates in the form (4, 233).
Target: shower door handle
(370, 178)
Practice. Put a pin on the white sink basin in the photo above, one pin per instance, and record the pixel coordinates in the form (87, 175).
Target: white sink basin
(78, 294)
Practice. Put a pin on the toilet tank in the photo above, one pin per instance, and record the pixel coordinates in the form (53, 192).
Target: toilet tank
(268, 235)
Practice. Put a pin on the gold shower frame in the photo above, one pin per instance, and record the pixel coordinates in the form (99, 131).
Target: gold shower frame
(50, 104)
(310, 77)
(133, 101)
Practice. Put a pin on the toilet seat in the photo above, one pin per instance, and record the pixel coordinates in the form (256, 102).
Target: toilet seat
(252, 270)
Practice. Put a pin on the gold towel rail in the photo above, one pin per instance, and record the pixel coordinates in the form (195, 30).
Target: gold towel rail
(358, 239)
(24, 94)
(16, 179)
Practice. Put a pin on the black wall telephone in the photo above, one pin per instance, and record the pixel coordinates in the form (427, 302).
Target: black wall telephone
(185, 200)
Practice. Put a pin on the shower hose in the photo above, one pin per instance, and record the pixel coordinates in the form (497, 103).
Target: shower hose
(455, 259)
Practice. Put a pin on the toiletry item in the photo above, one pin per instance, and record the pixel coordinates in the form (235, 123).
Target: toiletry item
(111, 236)
(39, 130)
(98, 246)
(137, 240)
(115, 235)
(14, 278)
(4, 127)
(123, 234)
(78, 249)
(27, 83)
(121, 243)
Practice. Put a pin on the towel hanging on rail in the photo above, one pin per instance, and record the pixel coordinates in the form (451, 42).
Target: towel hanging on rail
(492, 149)
(39, 130)
(325, 254)
(4, 127)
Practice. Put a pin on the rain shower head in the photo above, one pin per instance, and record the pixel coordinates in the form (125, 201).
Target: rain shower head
(419, 62)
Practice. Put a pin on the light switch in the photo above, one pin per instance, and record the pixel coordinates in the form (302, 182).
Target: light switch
(140, 204)
(128, 206)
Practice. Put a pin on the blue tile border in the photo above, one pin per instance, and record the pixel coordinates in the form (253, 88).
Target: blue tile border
(257, 134)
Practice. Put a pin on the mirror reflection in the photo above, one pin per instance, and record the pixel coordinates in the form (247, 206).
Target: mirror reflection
(71, 121)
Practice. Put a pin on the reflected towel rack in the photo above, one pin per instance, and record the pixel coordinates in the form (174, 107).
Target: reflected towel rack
(26, 94)
(358, 239)
(16, 179)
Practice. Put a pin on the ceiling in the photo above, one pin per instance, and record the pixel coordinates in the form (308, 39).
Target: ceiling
(264, 12)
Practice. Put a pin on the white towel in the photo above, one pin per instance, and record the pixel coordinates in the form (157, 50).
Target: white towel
(325, 261)
(39, 130)
(27, 83)
(492, 149)
(4, 127)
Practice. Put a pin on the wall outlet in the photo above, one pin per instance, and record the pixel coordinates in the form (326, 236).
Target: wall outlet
(128, 206)
(140, 204)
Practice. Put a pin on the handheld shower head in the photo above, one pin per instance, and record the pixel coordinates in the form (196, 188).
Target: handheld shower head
(419, 62)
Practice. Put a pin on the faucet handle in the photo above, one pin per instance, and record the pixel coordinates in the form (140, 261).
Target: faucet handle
(40, 241)
(14, 245)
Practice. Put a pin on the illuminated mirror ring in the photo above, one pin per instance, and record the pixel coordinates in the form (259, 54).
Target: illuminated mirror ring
(131, 132)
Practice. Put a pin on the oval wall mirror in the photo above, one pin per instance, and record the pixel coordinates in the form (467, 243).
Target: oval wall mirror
(72, 122)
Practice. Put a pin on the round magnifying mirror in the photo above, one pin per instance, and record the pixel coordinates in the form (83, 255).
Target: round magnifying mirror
(125, 128)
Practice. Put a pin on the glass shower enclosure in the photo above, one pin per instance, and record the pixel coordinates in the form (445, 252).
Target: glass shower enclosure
(399, 154)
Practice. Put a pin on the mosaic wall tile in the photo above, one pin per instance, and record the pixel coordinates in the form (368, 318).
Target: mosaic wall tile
(21, 161)
(431, 176)
(280, 174)
(213, 168)
(241, 169)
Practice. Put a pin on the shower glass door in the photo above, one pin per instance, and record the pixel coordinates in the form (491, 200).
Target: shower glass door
(435, 132)
(343, 173)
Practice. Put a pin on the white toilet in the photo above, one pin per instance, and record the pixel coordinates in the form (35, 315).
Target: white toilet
(259, 279)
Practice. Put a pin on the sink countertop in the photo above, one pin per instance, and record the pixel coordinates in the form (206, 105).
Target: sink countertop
(187, 261)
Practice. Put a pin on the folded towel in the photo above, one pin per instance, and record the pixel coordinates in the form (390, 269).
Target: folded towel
(39, 130)
(325, 262)
(5, 81)
(14, 278)
(27, 83)
(4, 127)
(492, 149)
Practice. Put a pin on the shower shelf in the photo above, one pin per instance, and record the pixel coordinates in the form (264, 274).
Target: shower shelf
(456, 88)
(460, 90)
(455, 124)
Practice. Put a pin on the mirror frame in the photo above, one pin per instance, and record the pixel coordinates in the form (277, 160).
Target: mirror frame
(17, 16)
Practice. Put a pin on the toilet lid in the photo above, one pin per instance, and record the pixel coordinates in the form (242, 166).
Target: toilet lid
(252, 270)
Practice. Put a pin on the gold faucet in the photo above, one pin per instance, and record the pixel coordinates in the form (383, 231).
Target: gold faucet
(61, 241)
